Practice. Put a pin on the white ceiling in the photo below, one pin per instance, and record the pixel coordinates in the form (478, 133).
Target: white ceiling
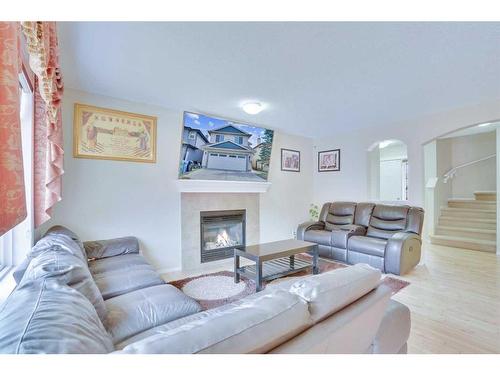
(316, 78)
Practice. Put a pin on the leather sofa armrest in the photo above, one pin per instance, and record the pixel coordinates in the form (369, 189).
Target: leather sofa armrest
(394, 329)
(110, 248)
(341, 235)
(308, 225)
(402, 253)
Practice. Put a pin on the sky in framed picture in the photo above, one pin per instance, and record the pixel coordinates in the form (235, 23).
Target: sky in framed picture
(214, 148)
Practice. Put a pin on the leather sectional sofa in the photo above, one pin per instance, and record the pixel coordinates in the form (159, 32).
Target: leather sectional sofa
(383, 236)
(103, 297)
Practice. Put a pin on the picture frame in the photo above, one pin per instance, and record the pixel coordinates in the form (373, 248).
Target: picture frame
(329, 160)
(290, 160)
(109, 134)
(221, 149)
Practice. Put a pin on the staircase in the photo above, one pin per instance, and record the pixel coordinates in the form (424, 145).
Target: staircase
(469, 223)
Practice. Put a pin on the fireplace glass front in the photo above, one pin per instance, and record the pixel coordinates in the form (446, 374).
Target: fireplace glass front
(221, 231)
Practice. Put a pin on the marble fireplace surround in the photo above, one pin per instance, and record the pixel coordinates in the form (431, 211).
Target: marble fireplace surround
(191, 206)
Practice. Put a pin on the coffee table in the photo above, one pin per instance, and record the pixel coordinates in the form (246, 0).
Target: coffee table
(274, 260)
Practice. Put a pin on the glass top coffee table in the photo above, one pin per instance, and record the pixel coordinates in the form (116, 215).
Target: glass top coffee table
(274, 260)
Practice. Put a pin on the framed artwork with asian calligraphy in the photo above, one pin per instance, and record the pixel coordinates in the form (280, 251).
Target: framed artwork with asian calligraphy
(102, 133)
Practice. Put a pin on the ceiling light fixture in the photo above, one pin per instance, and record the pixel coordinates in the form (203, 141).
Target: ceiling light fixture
(252, 108)
(483, 125)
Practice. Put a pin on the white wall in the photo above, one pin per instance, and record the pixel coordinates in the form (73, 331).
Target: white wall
(286, 203)
(105, 199)
(479, 177)
(351, 182)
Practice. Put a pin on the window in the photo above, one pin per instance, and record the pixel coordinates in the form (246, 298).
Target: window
(18, 241)
(219, 138)
(239, 140)
(192, 136)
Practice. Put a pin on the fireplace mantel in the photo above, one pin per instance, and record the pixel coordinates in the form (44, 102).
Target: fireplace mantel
(212, 186)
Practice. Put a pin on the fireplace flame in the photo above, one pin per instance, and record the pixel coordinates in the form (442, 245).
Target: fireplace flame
(223, 239)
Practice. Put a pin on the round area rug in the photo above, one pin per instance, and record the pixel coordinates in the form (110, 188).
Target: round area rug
(213, 288)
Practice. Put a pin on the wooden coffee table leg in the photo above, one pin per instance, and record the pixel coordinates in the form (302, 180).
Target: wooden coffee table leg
(236, 267)
(315, 260)
(258, 276)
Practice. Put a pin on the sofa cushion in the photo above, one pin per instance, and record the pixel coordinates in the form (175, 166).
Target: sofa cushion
(163, 328)
(143, 309)
(367, 245)
(110, 248)
(254, 325)
(47, 316)
(322, 237)
(363, 214)
(122, 263)
(55, 236)
(387, 220)
(70, 270)
(59, 229)
(340, 213)
(116, 283)
(20, 270)
(331, 291)
(59, 240)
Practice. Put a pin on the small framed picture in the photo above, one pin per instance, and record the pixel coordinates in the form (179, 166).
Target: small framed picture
(290, 160)
(329, 161)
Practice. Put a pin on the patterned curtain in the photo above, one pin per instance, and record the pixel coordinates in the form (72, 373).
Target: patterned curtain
(12, 195)
(48, 155)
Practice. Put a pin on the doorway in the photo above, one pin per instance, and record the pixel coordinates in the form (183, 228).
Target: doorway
(388, 180)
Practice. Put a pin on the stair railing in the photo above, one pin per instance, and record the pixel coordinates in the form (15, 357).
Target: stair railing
(453, 171)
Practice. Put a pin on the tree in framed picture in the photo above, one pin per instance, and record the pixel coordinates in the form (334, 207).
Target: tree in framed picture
(329, 161)
(290, 160)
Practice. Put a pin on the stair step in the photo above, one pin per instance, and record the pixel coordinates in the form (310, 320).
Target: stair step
(475, 233)
(468, 213)
(472, 203)
(464, 243)
(485, 195)
(467, 222)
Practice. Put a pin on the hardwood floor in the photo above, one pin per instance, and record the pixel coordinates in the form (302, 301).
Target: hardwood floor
(454, 300)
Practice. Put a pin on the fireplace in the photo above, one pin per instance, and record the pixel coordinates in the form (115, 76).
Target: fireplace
(220, 232)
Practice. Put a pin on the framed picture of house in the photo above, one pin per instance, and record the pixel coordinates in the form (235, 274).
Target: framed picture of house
(103, 133)
(329, 161)
(214, 148)
(290, 160)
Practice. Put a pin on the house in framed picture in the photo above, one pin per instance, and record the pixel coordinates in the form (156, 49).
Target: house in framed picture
(228, 149)
(215, 148)
(192, 152)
